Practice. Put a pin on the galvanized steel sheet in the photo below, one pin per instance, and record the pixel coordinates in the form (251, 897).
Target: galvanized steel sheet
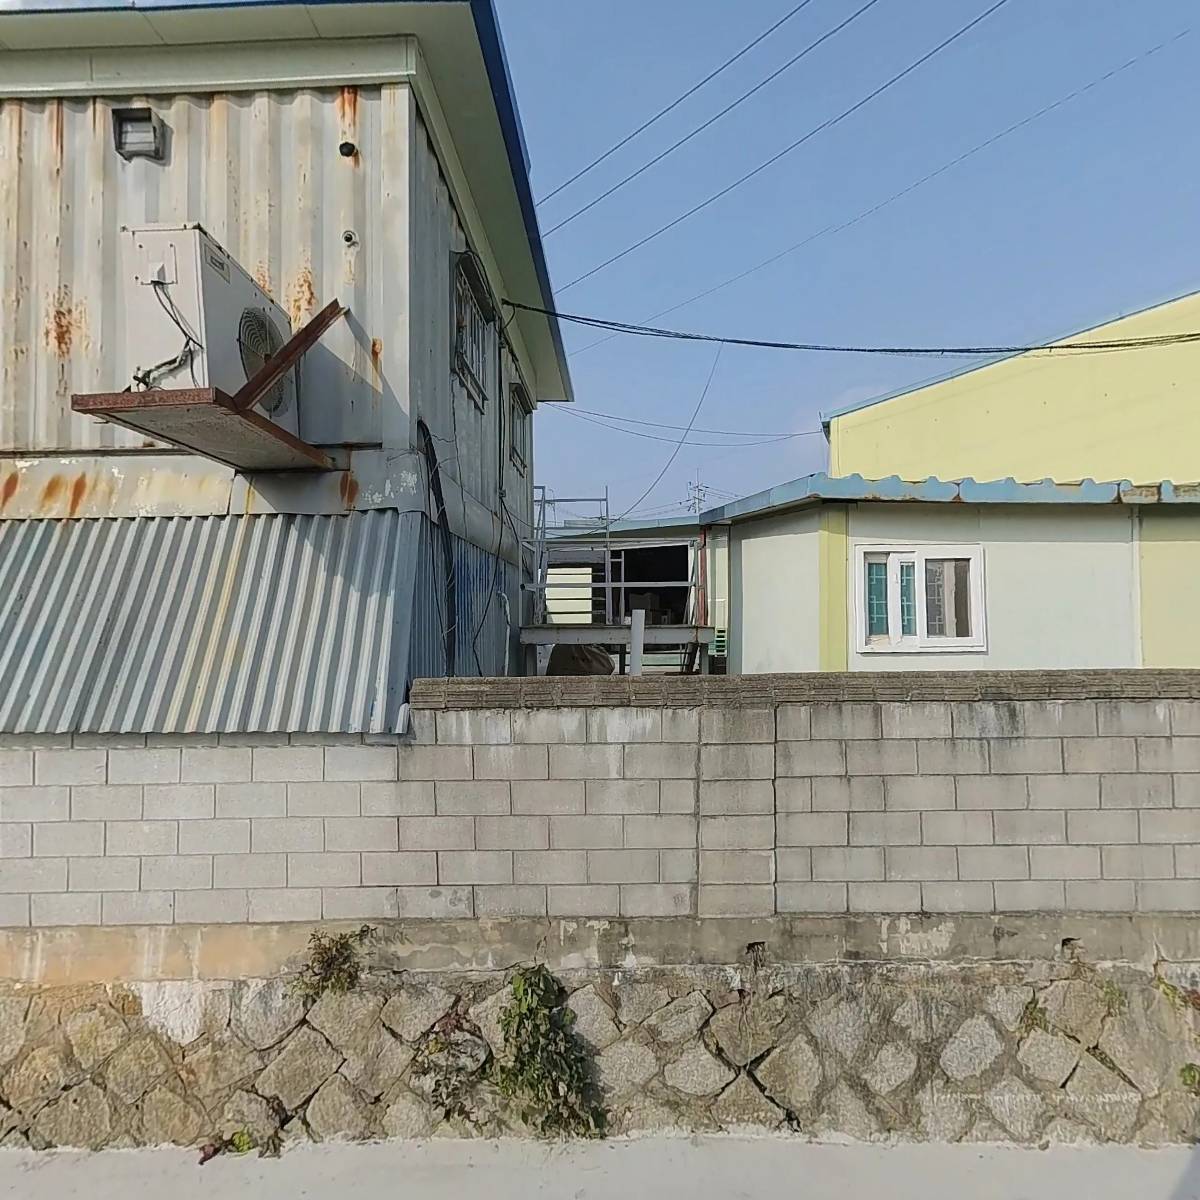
(204, 624)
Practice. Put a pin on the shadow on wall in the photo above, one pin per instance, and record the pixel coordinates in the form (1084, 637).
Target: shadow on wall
(343, 401)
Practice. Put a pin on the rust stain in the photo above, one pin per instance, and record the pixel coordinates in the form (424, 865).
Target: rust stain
(66, 324)
(262, 276)
(9, 490)
(347, 108)
(78, 491)
(348, 489)
(301, 296)
(51, 491)
(376, 353)
(56, 133)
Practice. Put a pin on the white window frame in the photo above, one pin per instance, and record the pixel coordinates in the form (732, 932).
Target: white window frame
(920, 642)
(469, 309)
(520, 451)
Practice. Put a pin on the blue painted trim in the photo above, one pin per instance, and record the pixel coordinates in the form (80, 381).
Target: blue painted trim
(820, 488)
(491, 44)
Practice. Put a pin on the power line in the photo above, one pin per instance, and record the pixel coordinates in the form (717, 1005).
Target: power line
(832, 121)
(869, 212)
(679, 446)
(655, 437)
(616, 187)
(591, 412)
(1099, 346)
(676, 102)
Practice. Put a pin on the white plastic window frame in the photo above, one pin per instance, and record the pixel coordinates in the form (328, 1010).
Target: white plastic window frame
(921, 642)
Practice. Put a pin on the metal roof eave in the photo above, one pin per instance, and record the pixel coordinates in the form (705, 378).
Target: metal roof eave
(821, 488)
(491, 47)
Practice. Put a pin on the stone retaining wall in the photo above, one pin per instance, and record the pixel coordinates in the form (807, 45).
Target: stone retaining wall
(1026, 1051)
(1052, 792)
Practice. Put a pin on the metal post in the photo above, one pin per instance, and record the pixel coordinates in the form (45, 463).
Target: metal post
(637, 632)
(608, 596)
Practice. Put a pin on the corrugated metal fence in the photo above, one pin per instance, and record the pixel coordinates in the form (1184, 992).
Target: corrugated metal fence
(478, 625)
(231, 624)
(195, 624)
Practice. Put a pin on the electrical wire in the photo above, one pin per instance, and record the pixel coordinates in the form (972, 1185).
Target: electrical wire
(869, 212)
(185, 357)
(679, 446)
(699, 129)
(1099, 346)
(828, 124)
(676, 102)
(591, 412)
(655, 437)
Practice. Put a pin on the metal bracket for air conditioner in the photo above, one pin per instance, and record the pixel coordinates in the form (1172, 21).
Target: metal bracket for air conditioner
(217, 425)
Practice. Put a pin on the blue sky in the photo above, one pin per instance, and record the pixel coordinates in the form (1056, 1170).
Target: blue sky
(1088, 212)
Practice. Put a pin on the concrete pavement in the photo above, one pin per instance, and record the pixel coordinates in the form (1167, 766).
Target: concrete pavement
(658, 1168)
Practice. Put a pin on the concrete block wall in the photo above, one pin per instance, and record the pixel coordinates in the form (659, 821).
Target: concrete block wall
(632, 810)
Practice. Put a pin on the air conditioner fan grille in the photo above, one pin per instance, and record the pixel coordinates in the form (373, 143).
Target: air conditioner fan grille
(259, 340)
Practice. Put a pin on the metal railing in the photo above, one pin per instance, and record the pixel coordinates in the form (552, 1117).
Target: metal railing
(594, 600)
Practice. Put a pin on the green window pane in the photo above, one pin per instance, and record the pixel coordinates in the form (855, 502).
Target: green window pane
(908, 599)
(877, 599)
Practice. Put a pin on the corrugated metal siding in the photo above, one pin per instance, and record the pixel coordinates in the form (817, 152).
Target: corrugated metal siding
(261, 171)
(438, 397)
(201, 624)
(480, 628)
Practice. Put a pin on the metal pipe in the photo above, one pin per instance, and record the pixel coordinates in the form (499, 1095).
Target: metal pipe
(637, 626)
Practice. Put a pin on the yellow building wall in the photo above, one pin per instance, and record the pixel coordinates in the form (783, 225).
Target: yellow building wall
(1123, 415)
(1169, 585)
(833, 554)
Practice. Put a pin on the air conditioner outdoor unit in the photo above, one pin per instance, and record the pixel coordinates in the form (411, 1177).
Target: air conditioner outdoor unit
(195, 319)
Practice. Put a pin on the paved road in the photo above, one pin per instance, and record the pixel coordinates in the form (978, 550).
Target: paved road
(658, 1169)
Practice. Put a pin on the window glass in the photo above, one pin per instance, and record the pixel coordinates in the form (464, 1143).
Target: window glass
(472, 340)
(520, 425)
(877, 599)
(920, 598)
(948, 597)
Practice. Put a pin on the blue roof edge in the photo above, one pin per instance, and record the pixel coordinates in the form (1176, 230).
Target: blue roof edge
(491, 42)
(821, 488)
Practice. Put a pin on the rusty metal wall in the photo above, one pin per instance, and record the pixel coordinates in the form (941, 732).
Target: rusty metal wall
(263, 173)
(202, 624)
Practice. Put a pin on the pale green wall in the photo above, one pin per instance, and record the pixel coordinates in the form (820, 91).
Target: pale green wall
(1170, 588)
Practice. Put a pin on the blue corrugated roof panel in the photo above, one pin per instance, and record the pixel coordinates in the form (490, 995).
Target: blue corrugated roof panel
(818, 488)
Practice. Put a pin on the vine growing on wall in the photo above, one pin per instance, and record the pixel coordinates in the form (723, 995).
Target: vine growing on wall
(546, 1070)
(334, 963)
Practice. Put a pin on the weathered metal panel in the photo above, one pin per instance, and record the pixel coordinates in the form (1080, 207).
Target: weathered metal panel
(263, 173)
(479, 627)
(473, 441)
(201, 624)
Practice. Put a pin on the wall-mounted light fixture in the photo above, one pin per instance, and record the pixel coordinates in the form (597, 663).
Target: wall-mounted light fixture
(139, 133)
